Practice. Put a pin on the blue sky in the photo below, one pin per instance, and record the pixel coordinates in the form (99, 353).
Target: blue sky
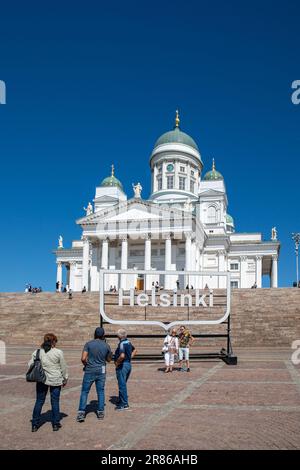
(91, 83)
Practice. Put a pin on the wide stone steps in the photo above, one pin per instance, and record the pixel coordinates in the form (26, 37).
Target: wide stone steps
(259, 317)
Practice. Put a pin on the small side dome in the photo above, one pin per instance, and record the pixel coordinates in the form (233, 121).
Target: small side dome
(213, 174)
(112, 180)
(229, 220)
(229, 224)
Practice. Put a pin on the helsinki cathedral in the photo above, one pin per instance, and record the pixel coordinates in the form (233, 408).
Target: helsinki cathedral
(183, 226)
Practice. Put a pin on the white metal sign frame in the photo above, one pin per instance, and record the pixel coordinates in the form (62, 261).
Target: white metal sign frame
(165, 326)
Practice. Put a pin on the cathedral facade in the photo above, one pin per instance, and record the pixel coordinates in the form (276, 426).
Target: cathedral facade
(183, 226)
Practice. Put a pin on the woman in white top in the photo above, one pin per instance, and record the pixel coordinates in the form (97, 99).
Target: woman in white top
(170, 348)
(55, 368)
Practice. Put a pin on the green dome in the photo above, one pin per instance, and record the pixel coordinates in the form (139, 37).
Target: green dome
(229, 220)
(112, 180)
(176, 136)
(213, 174)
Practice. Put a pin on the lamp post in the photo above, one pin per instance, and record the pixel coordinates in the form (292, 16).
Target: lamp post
(296, 238)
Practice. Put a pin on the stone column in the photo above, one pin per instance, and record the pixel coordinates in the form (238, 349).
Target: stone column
(72, 275)
(113, 279)
(94, 273)
(104, 256)
(243, 271)
(193, 262)
(222, 268)
(197, 266)
(168, 260)
(154, 180)
(124, 261)
(274, 271)
(259, 271)
(200, 267)
(147, 262)
(168, 252)
(59, 274)
(188, 250)
(124, 254)
(68, 275)
(85, 263)
(104, 262)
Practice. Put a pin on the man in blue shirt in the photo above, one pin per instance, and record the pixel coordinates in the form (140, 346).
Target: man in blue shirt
(123, 355)
(95, 354)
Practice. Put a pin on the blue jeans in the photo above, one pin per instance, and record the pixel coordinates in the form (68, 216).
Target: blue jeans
(41, 393)
(88, 379)
(123, 373)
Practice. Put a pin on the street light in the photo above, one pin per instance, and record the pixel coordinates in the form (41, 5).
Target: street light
(296, 238)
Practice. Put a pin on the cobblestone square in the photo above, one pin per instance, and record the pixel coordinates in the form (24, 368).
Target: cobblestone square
(254, 405)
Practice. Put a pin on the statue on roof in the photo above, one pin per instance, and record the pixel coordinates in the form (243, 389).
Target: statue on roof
(88, 209)
(60, 242)
(137, 189)
(274, 234)
(188, 206)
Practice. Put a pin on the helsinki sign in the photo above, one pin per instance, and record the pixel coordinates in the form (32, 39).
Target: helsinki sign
(169, 299)
(166, 300)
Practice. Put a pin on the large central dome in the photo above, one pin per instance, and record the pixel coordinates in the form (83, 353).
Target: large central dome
(176, 136)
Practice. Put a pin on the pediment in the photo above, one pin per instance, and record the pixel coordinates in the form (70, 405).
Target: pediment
(210, 192)
(132, 210)
(106, 198)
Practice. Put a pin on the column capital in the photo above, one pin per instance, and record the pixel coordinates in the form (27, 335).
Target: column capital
(222, 253)
(146, 236)
(259, 257)
(123, 238)
(59, 263)
(167, 236)
(73, 263)
(274, 257)
(188, 235)
(243, 258)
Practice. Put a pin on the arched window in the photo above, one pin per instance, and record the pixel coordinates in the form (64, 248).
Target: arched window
(211, 215)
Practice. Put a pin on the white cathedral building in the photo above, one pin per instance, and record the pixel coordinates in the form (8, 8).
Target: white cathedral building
(183, 226)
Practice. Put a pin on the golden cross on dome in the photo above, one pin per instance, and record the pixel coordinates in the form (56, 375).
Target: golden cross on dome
(177, 120)
(213, 165)
(112, 170)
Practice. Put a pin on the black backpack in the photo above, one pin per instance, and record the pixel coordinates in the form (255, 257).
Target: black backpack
(36, 372)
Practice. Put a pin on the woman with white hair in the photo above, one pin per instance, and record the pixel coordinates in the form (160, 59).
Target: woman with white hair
(170, 348)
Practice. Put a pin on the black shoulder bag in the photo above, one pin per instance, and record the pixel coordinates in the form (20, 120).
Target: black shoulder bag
(36, 372)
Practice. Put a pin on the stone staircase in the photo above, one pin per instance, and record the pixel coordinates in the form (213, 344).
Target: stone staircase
(259, 317)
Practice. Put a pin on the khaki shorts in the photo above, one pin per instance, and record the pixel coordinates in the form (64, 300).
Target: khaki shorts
(184, 352)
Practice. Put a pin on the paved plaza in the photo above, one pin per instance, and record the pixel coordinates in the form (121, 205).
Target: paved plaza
(254, 405)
